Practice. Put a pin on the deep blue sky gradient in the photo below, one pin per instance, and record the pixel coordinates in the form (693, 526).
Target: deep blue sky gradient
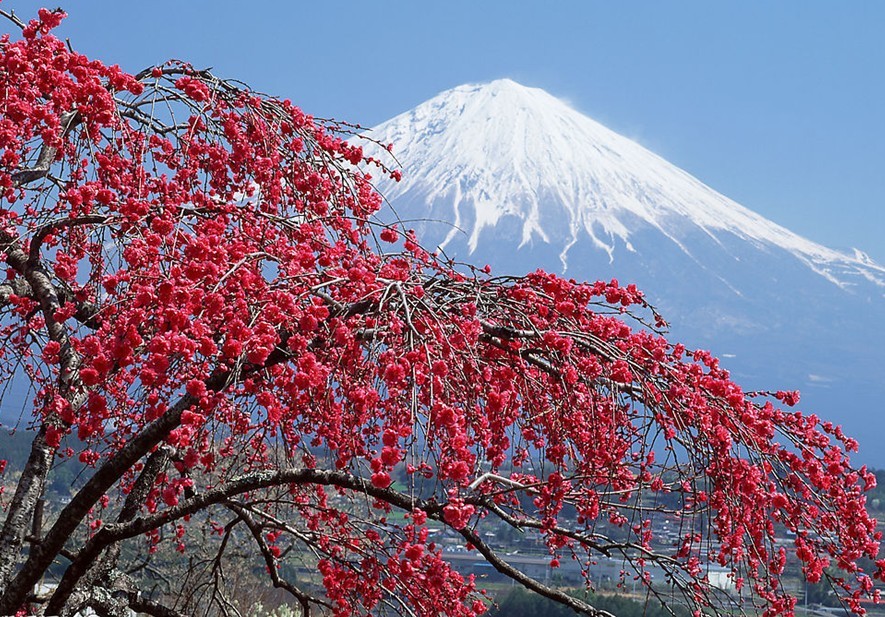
(780, 106)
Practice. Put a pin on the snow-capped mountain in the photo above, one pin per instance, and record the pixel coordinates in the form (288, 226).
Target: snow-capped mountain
(504, 174)
(499, 150)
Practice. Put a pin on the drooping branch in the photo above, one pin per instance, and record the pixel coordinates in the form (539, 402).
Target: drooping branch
(261, 480)
(54, 226)
(501, 565)
(305, 600)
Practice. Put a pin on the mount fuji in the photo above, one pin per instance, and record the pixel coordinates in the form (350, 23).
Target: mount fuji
(508, 175)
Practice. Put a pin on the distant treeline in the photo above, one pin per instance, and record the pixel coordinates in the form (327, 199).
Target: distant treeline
(876, 496)
(15, 446)
(521, 603)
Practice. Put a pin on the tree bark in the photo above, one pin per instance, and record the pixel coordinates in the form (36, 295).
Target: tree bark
(33, 479)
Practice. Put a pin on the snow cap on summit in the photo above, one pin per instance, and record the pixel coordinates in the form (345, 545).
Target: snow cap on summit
(499, 150)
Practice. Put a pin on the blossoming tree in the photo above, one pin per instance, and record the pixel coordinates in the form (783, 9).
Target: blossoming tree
(214, 320)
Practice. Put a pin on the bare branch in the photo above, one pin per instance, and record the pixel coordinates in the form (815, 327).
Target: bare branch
(47, 154)
(54, 226)
(11, 16)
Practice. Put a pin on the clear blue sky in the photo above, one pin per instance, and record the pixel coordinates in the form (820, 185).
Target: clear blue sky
(780, 106)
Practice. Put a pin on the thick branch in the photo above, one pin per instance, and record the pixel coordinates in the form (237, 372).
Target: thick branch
(141, 604)
(105, 477)
(33, 478)
(16, 287)
(118, 532)
(91, 561)
(87, 312)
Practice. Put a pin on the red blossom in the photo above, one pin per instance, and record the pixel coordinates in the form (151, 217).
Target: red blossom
(381, 479)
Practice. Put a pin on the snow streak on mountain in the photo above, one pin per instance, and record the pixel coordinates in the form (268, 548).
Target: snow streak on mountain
(511, 176)
(502, 150)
